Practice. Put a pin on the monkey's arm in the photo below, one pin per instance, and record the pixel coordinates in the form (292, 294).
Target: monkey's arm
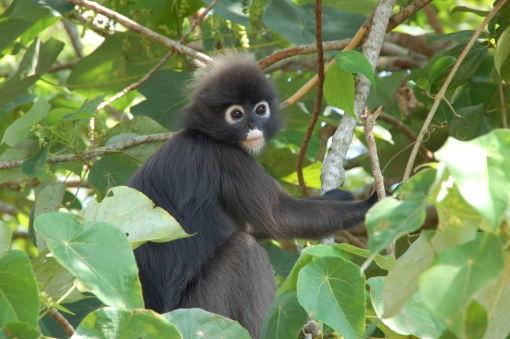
(252, 196)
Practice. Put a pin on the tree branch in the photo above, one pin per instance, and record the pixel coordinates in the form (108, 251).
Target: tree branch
(96, 152)
(126, 22)
(299, 50)
(440, 95)
(59, 318)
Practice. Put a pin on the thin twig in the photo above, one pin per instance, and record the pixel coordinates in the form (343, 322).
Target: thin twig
(432, 19)
(368, 120)
(502, 104)
(318, 99)
(159, 64)
(126, 22)
(72, 32)
(113, 148)
(424, 151)
(59, 318)
(440, 95)
(395, 20)
(353, 240)
(299, 50)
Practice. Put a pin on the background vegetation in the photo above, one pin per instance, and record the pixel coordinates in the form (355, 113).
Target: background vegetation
(66, 261)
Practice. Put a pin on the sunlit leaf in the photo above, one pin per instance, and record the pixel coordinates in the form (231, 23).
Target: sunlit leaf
(412, 319)
(455, 277)
(402, 281)
(390, 218)
(478, 176)
(386, 262)
(136, 215)
(112, 323)
(82, 248)
(5, 237)
(197, 323)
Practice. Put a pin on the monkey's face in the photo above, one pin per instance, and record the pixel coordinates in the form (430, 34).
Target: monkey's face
(250, 122)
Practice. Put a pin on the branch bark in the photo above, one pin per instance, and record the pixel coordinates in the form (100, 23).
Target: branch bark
(96, 152)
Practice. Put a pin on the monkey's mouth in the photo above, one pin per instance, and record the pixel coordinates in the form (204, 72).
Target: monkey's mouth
(253, 142)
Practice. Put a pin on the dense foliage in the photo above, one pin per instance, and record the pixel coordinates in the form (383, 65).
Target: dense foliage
(68, 226)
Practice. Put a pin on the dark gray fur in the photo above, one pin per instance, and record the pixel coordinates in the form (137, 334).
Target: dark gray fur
(214, 188)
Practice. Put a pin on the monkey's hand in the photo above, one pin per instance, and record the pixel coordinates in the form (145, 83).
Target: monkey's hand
(337, 194)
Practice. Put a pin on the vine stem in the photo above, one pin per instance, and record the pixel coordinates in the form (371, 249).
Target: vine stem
(440, 95)
(318, 98)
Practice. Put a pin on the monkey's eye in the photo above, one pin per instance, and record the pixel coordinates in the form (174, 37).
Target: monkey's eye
(262, 109)
(234, 114)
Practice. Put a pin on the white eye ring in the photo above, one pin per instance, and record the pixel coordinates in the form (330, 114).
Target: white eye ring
(231, 112)
(267, 112)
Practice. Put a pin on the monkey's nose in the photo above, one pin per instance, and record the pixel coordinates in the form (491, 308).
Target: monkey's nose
(250, 125)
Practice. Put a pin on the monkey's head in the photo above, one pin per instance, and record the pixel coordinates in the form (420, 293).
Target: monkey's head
(233, 101)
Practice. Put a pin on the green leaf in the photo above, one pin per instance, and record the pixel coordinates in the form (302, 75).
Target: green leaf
(19, 299)
(285, 318)
(297, 24)
(423, 83)
(165, 98)
(36, 164)
(478, 176)
(5, 237)
(469, 65)
(308, 255)
(456, 36)
(339, 89)
(140, 125)
(196, 323)
(334, 292)
(466, 126)
(55, 114)
(232, 10)
(81, 247)
(19, 17)
(476, 321)
(497, 298)
(55, 280)
(412, 319)
(441, 68)
(364, 7)
(111, 323)
(502, 55)
(120, 60)
(19, 130)
(19, 330)
(111, 171)
(355, 62)
(465, 9)
(402, 281)
(37, 60)
(457, 275)
(281, 260)
(311, 175)
(390, 218)
(386, 262)
(136, 215)
(60, 6)
(21, 151)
